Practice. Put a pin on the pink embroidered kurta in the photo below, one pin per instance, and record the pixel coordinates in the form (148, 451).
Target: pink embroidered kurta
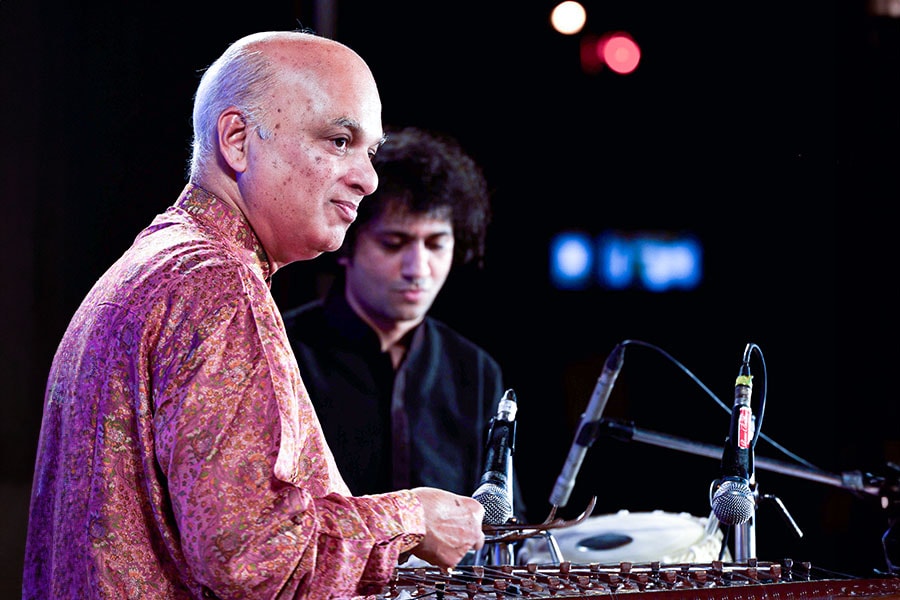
(179, 455)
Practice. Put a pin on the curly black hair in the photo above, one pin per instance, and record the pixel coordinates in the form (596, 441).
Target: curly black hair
(425, 172)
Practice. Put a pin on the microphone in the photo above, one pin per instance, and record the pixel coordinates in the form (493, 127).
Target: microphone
(588, 428)
(731, 496)
(494, 491)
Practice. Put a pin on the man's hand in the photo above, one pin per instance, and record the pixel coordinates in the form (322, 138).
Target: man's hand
(452, 527)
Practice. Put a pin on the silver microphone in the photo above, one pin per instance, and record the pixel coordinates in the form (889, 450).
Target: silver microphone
(732, 500)
(588, 428)
(494, 491)
(731, 497)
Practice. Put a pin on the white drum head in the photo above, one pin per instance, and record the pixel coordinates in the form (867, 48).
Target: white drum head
(631, 537)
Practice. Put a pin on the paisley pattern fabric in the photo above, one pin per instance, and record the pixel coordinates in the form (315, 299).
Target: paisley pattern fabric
(179, 455)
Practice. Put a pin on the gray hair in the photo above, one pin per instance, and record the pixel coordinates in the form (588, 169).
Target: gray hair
(238, 78)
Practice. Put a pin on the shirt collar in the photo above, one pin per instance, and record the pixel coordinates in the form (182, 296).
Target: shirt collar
(215, 213)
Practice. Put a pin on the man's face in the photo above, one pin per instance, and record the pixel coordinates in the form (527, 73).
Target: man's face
(399, 264)
(309, 163)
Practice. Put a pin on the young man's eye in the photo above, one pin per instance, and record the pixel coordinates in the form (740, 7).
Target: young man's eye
(440, 242)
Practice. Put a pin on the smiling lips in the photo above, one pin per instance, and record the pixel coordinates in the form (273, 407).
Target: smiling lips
(348, 208)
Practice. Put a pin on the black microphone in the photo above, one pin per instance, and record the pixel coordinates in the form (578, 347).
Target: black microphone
(494, 491)
(731, 496)
(588, 428)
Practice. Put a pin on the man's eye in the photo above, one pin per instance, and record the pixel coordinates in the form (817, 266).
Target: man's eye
(341, 143)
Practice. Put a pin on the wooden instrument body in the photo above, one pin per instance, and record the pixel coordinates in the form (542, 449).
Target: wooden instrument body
(752, 580)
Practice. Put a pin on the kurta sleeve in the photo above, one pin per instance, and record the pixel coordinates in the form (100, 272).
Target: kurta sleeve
(261, 509)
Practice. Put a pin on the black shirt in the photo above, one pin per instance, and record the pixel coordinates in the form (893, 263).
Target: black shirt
(426, 425)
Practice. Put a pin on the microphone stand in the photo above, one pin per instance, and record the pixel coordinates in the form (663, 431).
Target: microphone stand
(745, 538)
(495, 554)
(627, 432)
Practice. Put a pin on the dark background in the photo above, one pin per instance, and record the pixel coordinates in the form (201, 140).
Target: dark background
(769, 130)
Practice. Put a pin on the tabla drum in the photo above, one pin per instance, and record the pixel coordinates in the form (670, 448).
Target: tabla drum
(638, 537)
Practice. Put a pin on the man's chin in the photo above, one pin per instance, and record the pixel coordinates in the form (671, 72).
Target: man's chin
(413, 315)
(335, 242)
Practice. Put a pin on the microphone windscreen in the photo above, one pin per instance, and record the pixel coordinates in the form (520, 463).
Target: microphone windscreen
(496, 502)
(732, 502)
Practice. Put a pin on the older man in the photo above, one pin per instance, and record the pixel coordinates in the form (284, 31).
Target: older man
(179, 454)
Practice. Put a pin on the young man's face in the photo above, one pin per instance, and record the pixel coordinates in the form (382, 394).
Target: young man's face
(399, 264)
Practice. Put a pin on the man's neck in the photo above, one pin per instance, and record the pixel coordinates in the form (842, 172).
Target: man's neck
(394, 336)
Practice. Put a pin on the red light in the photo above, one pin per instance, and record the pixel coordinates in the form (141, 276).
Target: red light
(620, 52)
(616, 50)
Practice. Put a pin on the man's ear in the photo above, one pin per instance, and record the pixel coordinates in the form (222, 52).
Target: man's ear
(233, 132)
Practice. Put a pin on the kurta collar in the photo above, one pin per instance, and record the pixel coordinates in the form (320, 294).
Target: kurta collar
(341, 317)
(215, 213)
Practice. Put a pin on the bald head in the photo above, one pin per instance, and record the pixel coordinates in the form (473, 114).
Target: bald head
(285, 128)
(250, 71)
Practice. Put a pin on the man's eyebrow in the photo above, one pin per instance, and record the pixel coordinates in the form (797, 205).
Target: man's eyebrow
(347, 122)
(403, 233)
(354, 126)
